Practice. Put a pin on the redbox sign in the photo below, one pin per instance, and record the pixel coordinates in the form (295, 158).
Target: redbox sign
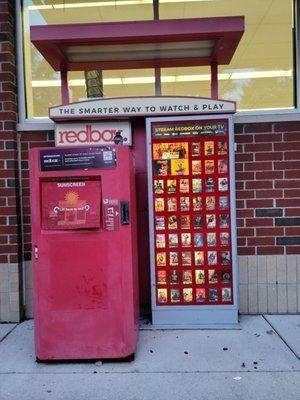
(93, 133)
(71, 205)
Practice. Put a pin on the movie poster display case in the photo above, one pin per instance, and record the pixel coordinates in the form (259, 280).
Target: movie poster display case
(192, 222)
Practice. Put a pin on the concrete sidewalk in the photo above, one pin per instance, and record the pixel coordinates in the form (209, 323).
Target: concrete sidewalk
(260, 361)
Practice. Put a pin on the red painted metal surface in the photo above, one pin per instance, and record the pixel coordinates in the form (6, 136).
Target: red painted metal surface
(214, 81)
(52, 41)
(64, 87)
(85, 280)
(140, 157)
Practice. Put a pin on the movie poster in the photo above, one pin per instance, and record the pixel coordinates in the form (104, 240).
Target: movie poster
(193, 255)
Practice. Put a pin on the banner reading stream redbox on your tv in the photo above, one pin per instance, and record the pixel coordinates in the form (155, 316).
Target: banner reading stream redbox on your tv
(93, 133)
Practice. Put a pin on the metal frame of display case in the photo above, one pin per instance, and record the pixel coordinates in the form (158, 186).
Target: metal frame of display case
(194, 316)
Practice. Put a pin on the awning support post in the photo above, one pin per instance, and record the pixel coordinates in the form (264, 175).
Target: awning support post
(214, 80)
(64, 87)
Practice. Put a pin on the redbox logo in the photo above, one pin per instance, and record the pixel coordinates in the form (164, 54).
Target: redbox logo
(88, 135)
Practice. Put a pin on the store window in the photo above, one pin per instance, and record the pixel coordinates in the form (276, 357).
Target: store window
(260, 76)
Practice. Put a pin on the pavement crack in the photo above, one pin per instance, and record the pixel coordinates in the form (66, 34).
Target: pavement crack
(281, 337)
(8, 333)
(150, 372)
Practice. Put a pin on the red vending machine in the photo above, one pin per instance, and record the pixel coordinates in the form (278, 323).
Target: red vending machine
(192, 222)
(84, 252)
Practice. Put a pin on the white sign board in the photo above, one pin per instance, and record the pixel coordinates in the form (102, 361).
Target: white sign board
(92, 133)
(140, 106)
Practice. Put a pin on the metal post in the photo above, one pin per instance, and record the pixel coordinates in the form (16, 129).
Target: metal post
(214, 80)
(64, 87)
(157, 82)
(157, 70)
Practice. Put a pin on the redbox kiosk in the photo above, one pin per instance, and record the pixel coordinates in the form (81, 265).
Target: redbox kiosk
(84, 252)
(192, 222)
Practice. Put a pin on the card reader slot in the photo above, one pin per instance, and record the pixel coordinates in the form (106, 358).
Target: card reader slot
(125, 217)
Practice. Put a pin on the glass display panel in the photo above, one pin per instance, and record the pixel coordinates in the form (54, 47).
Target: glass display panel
(196, 239)
(261, 73)
(260, 76)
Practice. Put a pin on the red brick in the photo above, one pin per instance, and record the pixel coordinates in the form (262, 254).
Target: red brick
(292, 249)
(269, 137)
(287, 183)
(287, 165)
(13, 258)
(4, 135)
(287, 146)
(274, 156)
(244, 176)
(3, 259)
(35, 137)
(292, 155)
(239, 167)
(8, 191)
(11, 201)
(246, 251)
(291, 137)
(292, 174)
(256, 147)
(244, 213)
(38, 144)
(293, 202)
(240, 222)
(244, 157)
(292, 212)
(3, 239)
(243, 138)
(7, 173)
(268, 250)
(259, 203)
(258, 166)
(259, 184)
(287, 126)
(292, 193)
(259, 222)
(13, 239)
(7, 211)
(241, 241)
(9, 105)
(269, 231)
(239, 185)
(269, 175)
(245, 194)
(261, 241)
(240, 204)
(258, 127)
(241, 232)
(5, 229)
(265, 194)
(293, 231)
(7, 154)
(8, 248)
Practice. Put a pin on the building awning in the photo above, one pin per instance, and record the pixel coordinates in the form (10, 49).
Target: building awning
(139, 44)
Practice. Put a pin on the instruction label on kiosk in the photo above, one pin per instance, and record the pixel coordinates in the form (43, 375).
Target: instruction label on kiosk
(79, 158)
(71, 205)
(111, 214)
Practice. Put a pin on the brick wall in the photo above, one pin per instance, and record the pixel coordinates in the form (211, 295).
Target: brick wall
(29, 140)
(10, 243)
(268, 188)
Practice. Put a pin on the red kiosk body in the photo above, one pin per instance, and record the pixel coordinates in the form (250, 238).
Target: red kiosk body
(84, 252)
